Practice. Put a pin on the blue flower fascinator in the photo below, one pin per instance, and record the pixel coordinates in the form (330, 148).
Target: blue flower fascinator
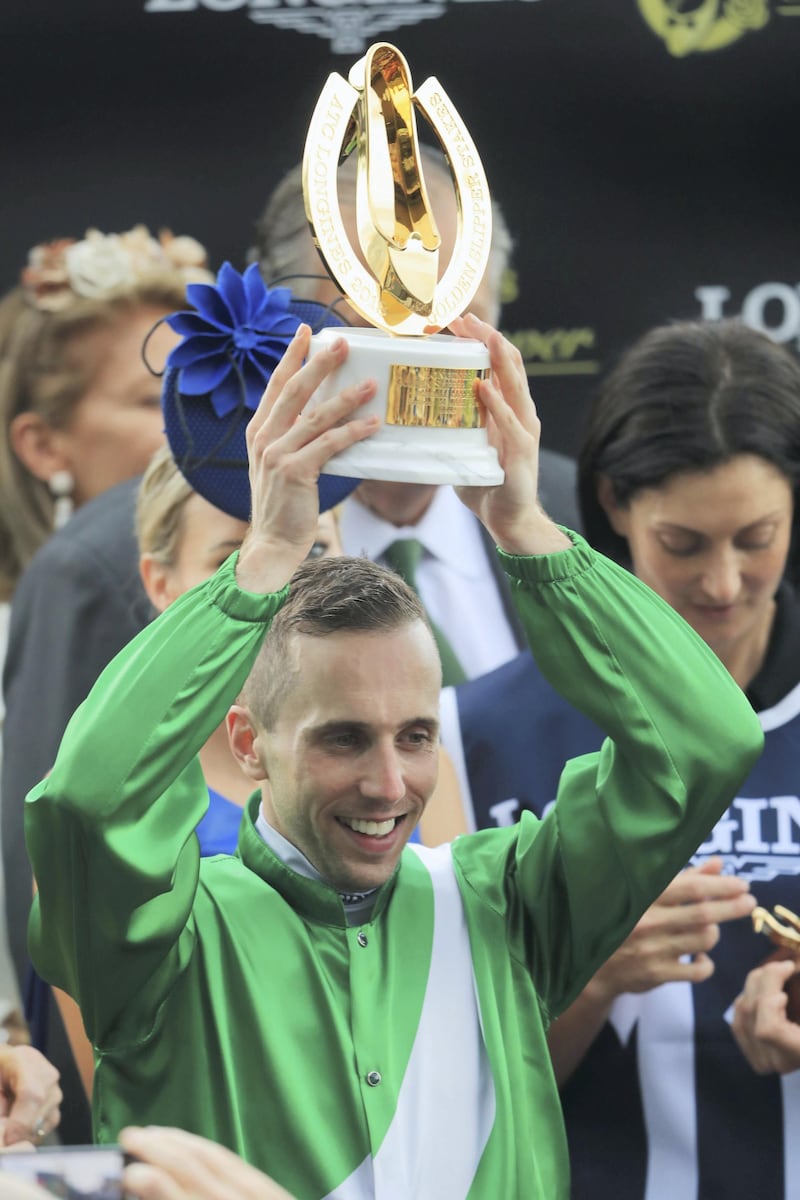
(215, 377)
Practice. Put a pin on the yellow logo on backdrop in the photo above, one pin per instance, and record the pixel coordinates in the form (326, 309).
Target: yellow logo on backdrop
(708, 25)
(557, 351)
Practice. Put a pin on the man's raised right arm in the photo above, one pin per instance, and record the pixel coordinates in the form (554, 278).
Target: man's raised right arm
(110, 830)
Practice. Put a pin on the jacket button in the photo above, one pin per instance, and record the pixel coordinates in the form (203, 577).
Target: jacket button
(374, 1078)
(362, 938)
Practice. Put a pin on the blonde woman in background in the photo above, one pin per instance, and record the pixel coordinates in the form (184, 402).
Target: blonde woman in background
(80, 410)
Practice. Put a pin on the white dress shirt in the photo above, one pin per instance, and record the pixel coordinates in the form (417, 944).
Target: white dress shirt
(455, 579)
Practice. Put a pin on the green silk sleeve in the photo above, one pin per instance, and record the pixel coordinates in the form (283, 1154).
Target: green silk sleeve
(681, 738)
(110, 831)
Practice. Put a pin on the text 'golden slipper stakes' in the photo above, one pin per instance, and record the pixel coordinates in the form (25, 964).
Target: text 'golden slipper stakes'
(433, 427)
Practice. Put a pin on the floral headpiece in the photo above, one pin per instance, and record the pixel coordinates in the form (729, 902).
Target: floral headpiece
(101, 263)
(215, 377)
(234, 340)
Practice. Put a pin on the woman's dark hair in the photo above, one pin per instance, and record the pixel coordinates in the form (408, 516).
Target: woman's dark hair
(688, 396)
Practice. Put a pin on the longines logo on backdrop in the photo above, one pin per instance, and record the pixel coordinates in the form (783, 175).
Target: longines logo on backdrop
(708, 24)
(348, 24)
(773, 308)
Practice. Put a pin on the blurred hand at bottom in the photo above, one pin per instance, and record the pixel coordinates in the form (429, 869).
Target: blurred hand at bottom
(175, 1165)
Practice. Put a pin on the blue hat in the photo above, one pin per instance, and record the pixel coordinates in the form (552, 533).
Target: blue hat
(214, 379)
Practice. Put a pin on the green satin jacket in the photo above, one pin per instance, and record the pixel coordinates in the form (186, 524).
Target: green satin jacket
(404, 1059)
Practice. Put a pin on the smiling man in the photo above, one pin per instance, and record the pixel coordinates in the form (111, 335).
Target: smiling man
(361, 1018)
(345, 765)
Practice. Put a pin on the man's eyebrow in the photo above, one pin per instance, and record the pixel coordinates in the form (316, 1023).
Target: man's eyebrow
(344, 725)
(339, 726)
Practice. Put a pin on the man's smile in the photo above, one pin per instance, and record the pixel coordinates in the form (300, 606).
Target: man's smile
(374, 835)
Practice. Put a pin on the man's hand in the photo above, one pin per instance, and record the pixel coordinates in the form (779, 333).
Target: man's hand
(30, 1098)
(683, 922)
(288, 449)
(176, 1165)
(767, 1038)
(510, 511)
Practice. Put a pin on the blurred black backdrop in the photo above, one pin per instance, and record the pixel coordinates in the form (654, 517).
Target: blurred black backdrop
(644, 152)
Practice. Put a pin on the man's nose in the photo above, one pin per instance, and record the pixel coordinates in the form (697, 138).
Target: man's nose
(383, 776)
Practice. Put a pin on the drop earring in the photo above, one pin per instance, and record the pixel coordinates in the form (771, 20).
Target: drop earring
(61, 484)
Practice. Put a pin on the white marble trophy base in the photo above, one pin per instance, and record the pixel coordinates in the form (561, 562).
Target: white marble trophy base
(408, 453)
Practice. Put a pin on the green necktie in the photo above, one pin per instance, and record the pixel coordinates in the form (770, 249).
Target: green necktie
(404, 556)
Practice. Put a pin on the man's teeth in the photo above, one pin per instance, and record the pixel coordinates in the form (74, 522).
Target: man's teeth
(373, 828)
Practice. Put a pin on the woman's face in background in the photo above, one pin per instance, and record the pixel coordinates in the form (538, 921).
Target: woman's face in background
(208, 535)
(714, 545)
(117, 424)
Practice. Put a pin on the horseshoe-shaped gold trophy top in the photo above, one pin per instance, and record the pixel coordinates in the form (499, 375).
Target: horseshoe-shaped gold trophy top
(432, 423)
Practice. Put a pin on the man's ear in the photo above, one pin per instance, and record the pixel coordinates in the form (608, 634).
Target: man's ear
(243, 738)
(38, 446)
(158, 581)
(618, 514)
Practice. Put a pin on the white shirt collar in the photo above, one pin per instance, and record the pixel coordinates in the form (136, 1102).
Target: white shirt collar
(358, 906)
(285, 851)
(447, 530)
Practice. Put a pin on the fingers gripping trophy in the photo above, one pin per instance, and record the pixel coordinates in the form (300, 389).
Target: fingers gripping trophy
(432, 424)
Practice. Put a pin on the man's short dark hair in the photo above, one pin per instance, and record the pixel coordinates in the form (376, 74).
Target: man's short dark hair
(327, 596)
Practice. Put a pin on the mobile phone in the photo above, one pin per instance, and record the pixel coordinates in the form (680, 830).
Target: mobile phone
(73, 1172)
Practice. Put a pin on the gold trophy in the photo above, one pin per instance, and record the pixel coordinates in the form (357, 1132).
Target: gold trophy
(782, 927)
(432, 425)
